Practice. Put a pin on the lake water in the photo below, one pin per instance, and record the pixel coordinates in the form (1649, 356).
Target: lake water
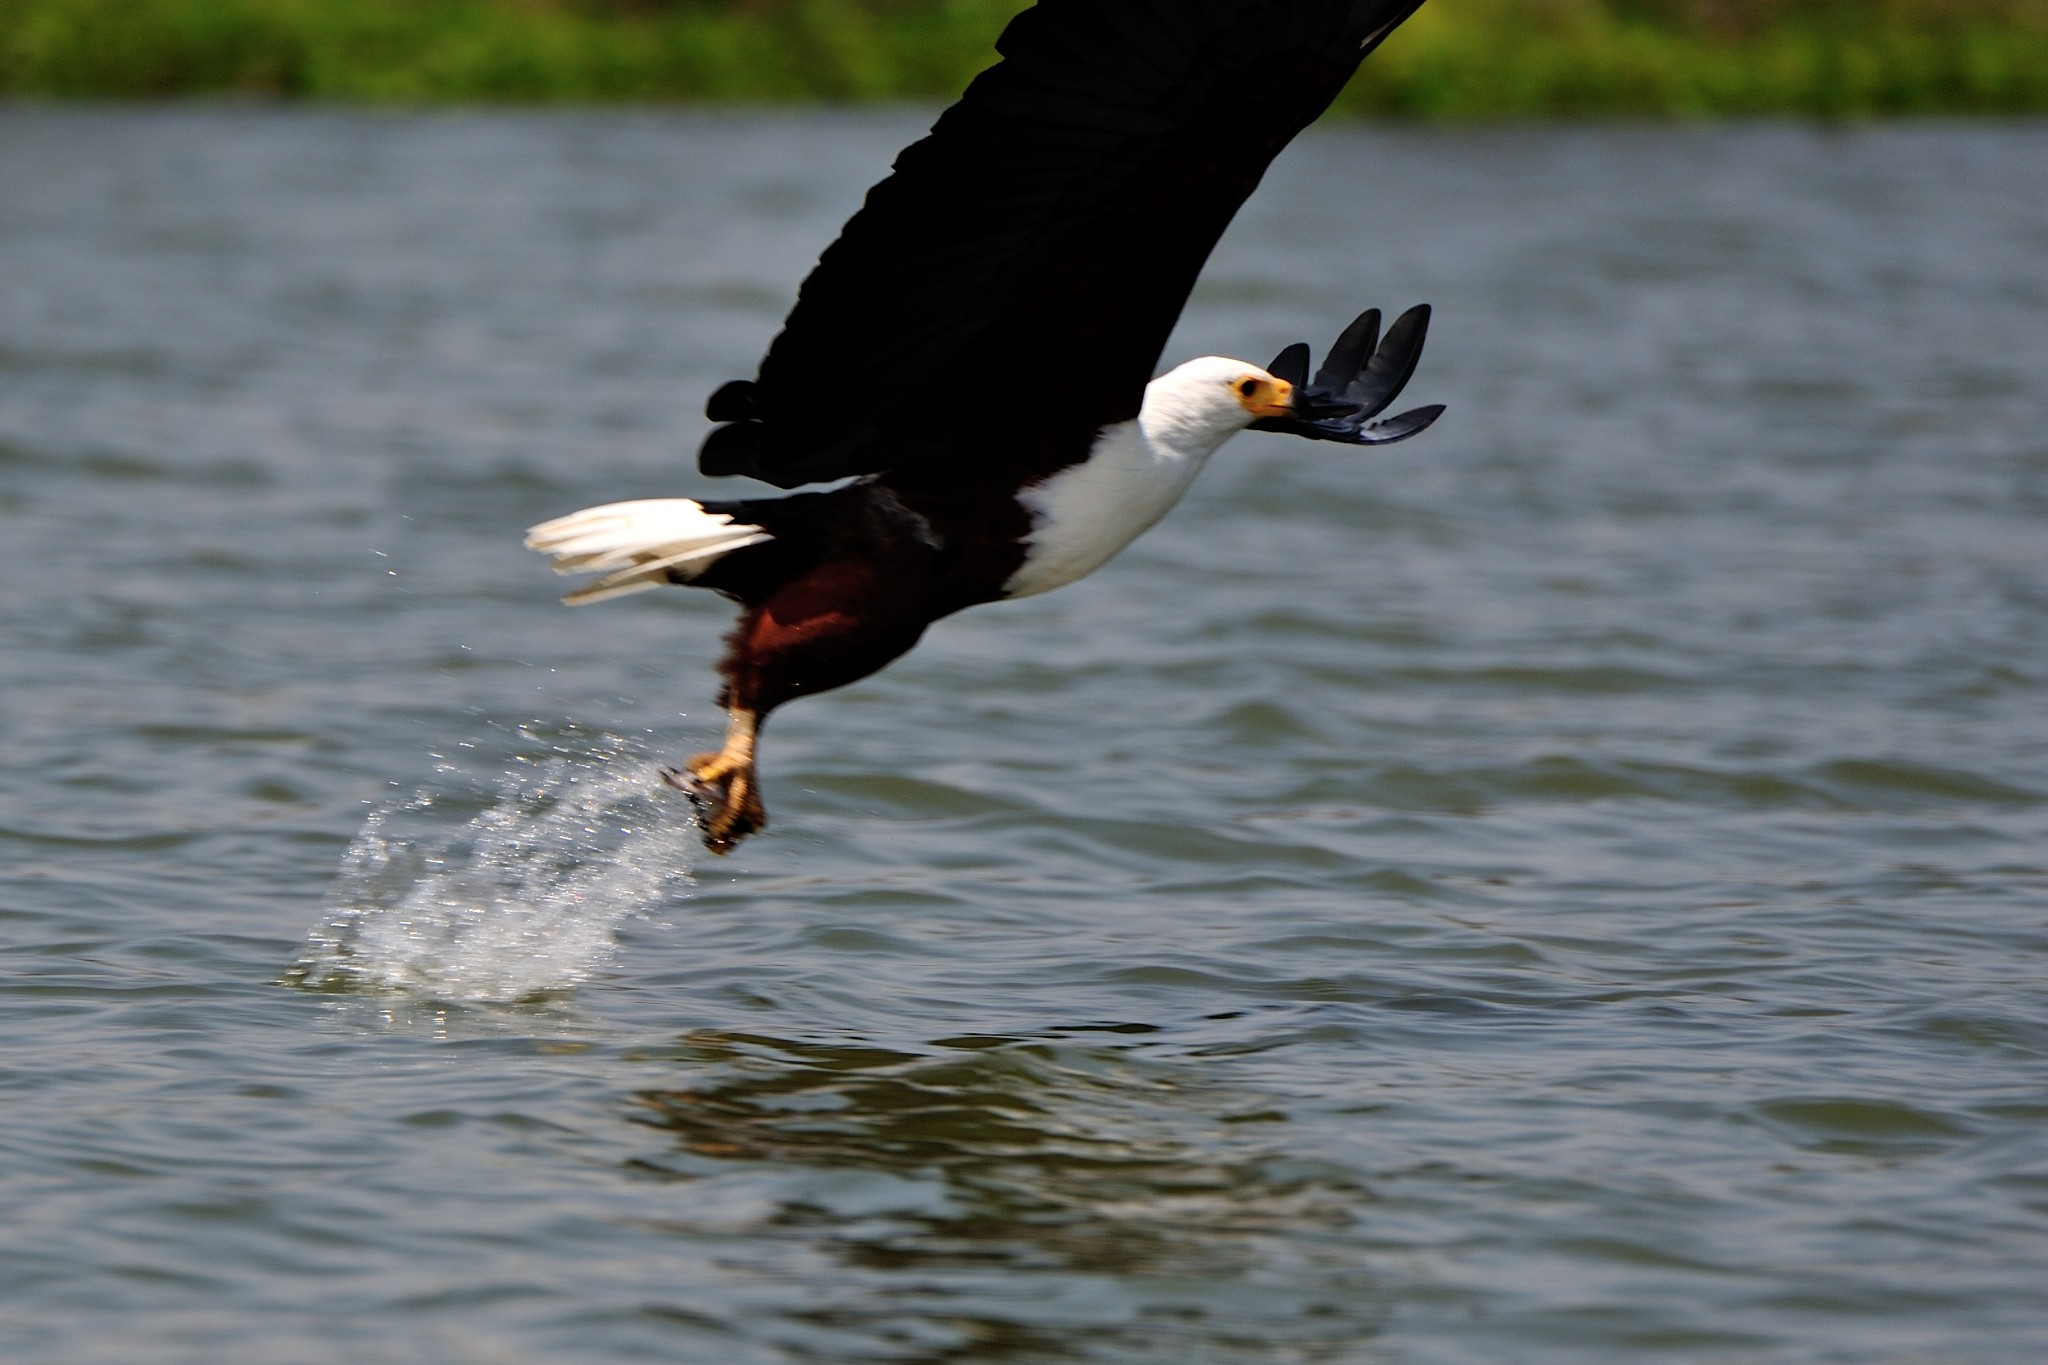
(1569, 889)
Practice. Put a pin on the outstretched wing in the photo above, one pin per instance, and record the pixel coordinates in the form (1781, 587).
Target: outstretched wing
(1009, 287)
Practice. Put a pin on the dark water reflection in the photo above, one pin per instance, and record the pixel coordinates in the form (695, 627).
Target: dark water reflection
(1569, 889)
(1053, 1164)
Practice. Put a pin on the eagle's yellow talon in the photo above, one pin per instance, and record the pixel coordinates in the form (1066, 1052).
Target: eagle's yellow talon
(725, 788)
(712, 767)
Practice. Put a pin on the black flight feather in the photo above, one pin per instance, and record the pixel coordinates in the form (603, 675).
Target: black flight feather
(1348, 354)
(1291, 364)
(1361, 376)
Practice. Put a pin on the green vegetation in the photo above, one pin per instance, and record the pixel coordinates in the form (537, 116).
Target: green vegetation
(1695, 58)
(1456, 59)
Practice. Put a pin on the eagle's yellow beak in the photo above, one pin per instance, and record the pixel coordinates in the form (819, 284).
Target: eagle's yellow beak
(1264, 396)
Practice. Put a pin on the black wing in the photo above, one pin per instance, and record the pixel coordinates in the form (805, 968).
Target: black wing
(1008, 289)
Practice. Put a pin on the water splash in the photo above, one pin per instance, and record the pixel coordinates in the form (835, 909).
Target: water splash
(522, 901)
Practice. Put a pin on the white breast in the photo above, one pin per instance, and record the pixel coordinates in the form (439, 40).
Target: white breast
(1136, 472)
(1084, 515)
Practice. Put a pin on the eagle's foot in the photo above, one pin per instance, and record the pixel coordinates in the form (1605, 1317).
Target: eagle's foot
(726, 792)
(727, 797)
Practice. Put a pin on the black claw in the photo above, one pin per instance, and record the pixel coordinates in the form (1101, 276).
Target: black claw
(699, 791)
(1361, 377)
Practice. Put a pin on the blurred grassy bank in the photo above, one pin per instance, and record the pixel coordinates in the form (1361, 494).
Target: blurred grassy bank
(1456, 59)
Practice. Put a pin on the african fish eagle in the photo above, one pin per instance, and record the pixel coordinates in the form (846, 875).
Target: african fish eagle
(974, 351)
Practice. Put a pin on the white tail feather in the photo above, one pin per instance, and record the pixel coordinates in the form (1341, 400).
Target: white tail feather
(639, 545)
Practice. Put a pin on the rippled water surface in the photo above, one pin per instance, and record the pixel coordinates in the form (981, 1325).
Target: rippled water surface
(1567, 889)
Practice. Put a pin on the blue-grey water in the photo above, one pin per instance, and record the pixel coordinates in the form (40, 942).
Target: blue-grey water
(1571, 888)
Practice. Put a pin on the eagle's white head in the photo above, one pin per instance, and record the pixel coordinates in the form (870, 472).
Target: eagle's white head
(1196, 407)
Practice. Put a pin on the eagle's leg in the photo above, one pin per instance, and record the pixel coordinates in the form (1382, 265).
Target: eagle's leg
(725, 785)
(834, 625)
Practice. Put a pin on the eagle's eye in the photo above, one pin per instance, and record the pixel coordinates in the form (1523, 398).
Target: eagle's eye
(1248, 387)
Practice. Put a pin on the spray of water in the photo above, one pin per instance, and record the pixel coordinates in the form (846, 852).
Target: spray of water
(522, 901)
